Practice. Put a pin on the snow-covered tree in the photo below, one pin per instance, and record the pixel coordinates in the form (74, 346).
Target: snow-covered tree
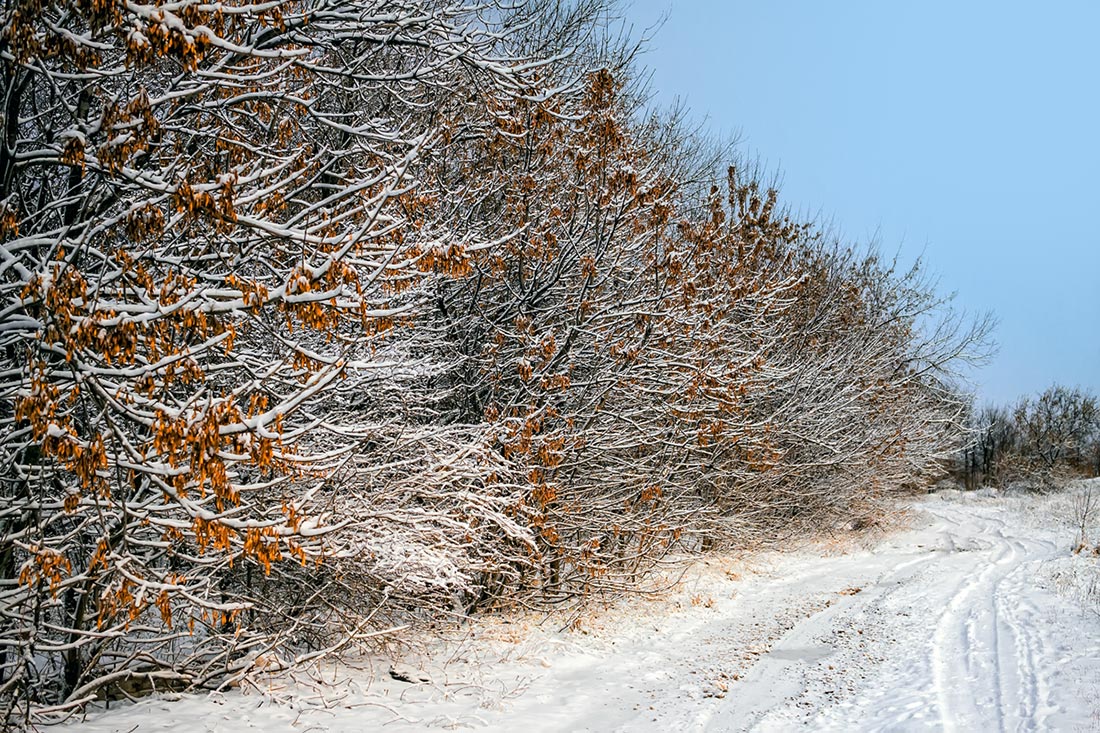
(212, 224)
(321, 316)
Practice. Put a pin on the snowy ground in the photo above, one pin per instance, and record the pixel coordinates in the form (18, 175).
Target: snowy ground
(976, 618)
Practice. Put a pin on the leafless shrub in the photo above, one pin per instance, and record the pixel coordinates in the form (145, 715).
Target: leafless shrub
(1086, 504)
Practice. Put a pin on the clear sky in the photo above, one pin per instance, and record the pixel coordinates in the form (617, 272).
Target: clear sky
(968, 132)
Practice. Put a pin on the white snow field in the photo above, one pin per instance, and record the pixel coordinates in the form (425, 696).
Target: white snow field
(977, 617)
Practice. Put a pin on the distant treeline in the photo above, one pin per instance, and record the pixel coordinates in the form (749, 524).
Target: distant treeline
(1038, 441)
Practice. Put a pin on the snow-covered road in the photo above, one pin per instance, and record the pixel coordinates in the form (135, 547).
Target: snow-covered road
(974, 619)
(955, 634)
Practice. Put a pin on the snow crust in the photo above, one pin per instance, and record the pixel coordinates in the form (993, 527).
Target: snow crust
(975, 617)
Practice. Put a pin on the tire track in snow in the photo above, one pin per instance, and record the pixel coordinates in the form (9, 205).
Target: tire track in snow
(963, 683)
(1019, 615)
(775, 679)
(980, 650)
(983, 657)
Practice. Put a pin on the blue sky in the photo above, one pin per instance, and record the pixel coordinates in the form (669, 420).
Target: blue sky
(966, 132)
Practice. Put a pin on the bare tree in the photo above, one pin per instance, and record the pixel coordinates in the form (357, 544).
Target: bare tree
(1042, 438)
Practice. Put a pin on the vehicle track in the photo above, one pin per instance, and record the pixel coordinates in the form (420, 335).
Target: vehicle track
(984, 668)
(975, 666)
